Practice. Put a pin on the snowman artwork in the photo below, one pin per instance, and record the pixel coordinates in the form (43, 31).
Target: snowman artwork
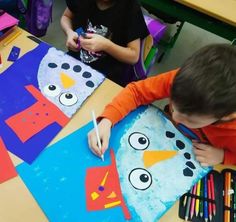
(148, 166)
(39, 93)
(155, 164)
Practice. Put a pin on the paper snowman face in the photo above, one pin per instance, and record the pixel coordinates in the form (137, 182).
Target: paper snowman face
(155, 164)
(65, 81)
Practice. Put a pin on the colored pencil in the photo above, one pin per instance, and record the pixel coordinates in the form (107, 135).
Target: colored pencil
(198, 195)
(193, 201)
(205, 200)
(185, 200)
(97, 133)
(227, 196)
(201, 195)
(234, 205)
(213, 193)
(187, 209)
(210, 198)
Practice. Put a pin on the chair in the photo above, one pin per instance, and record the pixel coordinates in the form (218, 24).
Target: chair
(148, 47)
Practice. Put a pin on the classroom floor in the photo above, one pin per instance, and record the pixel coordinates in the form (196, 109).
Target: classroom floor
(190, 39)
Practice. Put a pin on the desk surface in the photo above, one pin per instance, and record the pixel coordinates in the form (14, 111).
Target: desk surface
(222, 10)
(16, 202)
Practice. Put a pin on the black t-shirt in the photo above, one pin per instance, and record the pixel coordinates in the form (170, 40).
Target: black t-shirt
(121, 23)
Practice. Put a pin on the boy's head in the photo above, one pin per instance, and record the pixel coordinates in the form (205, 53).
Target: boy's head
(204, 89)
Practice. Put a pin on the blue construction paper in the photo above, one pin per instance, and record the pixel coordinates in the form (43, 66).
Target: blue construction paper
(14, 54)
(57, 178)
(43, 69)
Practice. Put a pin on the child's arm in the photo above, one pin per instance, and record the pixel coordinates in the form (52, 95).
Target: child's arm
(135, 94)
(139, 93)
(72, 36)
(96, 43)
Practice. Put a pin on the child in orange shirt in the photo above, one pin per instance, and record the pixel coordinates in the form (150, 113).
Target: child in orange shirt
(202, 97)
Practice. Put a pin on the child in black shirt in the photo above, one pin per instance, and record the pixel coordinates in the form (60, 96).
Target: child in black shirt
(114, 29)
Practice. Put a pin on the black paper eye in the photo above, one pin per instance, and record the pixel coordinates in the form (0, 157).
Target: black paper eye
(86, 74)
(77, 68)
(170, 134)
(140, 179)
(90, 84)
(68, 99)
(52, 90)
(180, 144)
(52, 65)
(138, 141)
(65, 66)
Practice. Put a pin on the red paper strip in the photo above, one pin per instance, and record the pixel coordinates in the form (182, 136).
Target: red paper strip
(7, 169)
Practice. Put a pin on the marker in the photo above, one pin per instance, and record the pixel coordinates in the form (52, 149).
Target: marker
(97, 133)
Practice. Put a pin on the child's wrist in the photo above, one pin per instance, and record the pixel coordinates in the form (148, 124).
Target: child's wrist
(106, 122)
(107, 45)
(69, 31)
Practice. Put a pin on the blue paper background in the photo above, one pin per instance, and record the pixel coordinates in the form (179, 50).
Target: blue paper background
(14, 98)
(56, 178)
(33, 69)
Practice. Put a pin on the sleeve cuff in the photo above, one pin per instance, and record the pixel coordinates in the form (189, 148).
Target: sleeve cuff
(112, 114)
(229, 158)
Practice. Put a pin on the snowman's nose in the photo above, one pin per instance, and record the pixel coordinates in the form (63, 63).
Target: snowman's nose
(66, 80)
(151, 157)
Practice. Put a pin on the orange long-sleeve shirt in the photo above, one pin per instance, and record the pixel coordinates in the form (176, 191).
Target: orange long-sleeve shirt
(221, 135)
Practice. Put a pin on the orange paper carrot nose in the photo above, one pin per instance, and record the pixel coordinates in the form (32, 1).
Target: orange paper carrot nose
(67, 81)
(152, 157)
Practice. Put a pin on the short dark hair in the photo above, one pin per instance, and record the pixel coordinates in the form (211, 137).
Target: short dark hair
(206, 82)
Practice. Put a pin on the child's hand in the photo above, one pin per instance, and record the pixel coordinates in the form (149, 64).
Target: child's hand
(208, 155)
(72, 41)
(104, 128)
(94, 42)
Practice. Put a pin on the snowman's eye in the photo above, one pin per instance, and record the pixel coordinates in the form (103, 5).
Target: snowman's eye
(138, 141)
(68, 99)
(140, 179)
(52, 65)
(52, 90)
(65, 66)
